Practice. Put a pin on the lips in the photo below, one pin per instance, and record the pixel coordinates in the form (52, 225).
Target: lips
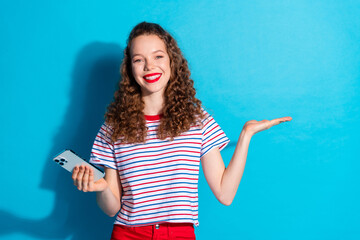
(152, 77)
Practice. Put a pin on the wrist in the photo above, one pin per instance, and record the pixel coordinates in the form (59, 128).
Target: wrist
(101, 186)
(245, 133)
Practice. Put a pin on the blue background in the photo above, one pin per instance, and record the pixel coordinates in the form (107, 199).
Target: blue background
(59, 64)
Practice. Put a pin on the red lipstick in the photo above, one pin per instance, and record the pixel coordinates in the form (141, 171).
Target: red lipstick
(152, 77)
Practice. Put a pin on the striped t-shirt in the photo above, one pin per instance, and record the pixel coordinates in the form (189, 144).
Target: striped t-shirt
(159, 178)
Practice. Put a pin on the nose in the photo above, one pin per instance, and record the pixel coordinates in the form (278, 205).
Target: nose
(148, 65)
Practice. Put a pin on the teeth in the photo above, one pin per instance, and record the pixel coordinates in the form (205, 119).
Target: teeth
(152, 77)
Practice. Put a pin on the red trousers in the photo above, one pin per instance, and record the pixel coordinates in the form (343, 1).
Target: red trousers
(163, 231)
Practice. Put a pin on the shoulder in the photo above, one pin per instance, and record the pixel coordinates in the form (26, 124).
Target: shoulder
(106, 128)
(105, 132)
(205, 116)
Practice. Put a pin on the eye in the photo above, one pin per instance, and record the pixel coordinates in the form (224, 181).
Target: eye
(159, 56)
(136, 60)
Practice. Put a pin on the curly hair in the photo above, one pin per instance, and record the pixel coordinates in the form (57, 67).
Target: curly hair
(181, 108)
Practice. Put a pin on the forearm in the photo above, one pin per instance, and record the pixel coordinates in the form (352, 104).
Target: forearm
(233, 173)
(108, 202)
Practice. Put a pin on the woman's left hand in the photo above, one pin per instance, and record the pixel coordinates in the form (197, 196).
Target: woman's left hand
(251, 127)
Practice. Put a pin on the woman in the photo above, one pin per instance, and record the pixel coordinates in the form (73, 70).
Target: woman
(154, 136)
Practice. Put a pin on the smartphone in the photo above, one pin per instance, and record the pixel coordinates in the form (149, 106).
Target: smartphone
(68, 159)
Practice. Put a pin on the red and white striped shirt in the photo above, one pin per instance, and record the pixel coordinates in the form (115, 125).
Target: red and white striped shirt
(159, 178)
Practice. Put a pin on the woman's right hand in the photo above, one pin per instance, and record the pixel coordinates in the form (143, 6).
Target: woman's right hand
(83, 177)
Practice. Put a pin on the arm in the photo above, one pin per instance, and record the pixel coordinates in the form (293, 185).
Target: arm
(224, 182)
(109, 199)
(108, 190)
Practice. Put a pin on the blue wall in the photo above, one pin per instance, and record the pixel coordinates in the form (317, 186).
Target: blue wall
(250, 60)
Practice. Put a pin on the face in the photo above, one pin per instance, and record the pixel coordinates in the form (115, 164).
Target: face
(150, 64)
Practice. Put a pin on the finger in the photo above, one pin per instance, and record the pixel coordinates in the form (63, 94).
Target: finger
(91, 180)
(79, 178)
(285, 119)
(277, 121)
(75, 173)
(86, 179)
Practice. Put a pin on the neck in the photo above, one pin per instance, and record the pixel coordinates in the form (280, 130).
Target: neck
(154, 104)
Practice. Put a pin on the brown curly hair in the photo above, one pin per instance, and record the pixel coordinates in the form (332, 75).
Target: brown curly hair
(181, 108)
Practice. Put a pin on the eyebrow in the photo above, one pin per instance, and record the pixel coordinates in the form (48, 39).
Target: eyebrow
(151, 53)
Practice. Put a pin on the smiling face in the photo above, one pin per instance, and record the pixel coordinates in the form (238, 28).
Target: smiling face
(150, 64)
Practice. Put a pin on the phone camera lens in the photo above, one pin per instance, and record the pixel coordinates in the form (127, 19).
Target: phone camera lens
(57, 160)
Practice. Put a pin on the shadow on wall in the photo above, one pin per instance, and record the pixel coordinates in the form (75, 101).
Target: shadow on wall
(75, 214)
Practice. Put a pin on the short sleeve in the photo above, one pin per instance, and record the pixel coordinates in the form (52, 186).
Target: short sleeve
(102, 152)
(212, 135)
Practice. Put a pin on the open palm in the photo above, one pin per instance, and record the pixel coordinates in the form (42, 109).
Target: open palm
(254, 126)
